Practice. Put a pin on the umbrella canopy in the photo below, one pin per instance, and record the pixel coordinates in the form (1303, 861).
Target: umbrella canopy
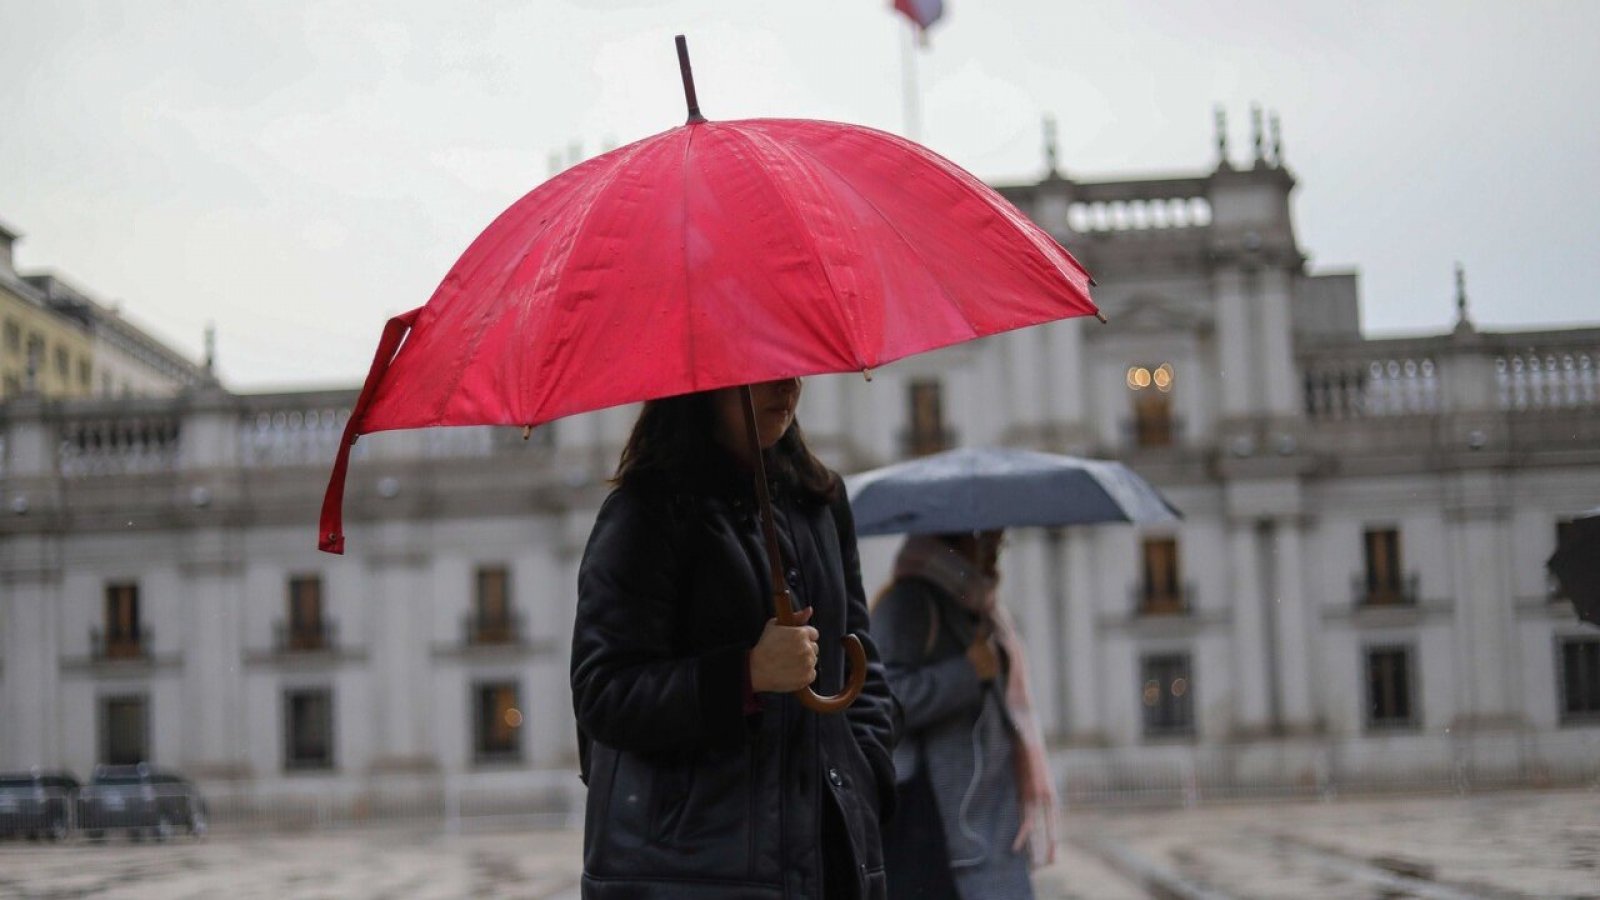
(711, 255)
(1576, 564)
(986, 488)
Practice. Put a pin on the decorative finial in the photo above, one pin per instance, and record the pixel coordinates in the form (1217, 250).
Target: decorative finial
(1462, 319)
(1255, 132)
(1220, 115)
(1052, 168)
(211, 348)
(1277, 141)
(686, 71)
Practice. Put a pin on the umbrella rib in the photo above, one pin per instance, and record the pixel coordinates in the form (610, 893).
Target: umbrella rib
(915, 251)
(691, 351)
(1051, 249)
(799, 220)
(587, 207)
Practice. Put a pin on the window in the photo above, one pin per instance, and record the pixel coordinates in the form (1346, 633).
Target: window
(13, 337)
(308, 729)
(307, 629)
(124, 634)
(1384, 583)
(35, 353)
(1580, 679)
(927, 434)
(1152, 421)
(497, 725)
(1390, 699)
(492, 621)
(1153, 424)
(63, 363)
(124, 730)
(1168, 696)
(1160, 593)
(85, 374)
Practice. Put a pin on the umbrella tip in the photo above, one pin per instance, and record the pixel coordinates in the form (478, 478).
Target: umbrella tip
(1101, 316)
(687, 72)
(527, 432)
(867, 374)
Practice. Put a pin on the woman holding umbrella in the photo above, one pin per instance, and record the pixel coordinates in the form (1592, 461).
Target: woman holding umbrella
(975, 788)
(706, 777)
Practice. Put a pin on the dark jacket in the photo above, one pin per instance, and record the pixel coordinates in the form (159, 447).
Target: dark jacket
(691, 794)
(959, 734)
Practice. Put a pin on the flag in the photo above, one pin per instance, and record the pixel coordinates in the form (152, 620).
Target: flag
(923, 12)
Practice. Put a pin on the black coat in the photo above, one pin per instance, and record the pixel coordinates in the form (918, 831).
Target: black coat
(690, 794)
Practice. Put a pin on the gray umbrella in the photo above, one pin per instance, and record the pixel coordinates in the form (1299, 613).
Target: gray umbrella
(983, 488)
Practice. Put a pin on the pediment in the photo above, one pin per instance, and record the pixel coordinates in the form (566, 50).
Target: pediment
(1157, 313)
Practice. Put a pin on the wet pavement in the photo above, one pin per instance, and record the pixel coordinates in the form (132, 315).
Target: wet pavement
(1524, 844)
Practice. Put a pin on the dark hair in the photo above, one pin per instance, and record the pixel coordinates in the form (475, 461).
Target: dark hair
(674, 441)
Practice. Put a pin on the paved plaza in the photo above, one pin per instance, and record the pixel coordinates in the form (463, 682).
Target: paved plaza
(1504, 845)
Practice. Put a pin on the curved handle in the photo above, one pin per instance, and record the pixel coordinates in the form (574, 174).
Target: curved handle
(856, 660)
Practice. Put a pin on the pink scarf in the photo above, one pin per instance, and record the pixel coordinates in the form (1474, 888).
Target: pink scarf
(931, 559)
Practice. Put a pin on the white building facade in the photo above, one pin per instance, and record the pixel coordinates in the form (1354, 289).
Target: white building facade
(1356, 596)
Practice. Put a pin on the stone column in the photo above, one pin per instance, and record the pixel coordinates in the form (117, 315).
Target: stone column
(1236, 371)
(212, 646)
(1066, 381)
(1029, 592)
(1084, 721)
(30, 652)
(1480, 559)
(1025, 384)
(1292, 637)
(398, 602)
(1274, 345)
(1250, 715)
(30, 592)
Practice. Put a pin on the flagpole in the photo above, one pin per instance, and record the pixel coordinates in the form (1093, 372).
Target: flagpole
(908, 81)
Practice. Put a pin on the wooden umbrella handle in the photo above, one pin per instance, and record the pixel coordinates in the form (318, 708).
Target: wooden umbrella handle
(855, 660)
(783, 604)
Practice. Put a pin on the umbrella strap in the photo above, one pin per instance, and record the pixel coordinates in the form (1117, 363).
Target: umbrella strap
(769, 525)
(330, 533)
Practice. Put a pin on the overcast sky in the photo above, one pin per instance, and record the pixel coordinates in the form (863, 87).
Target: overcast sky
(298, 171)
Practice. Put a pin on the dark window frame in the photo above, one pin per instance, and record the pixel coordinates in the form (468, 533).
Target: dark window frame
(1168, 677)
(108, 741)
(1586, 709)
(493, 616)
(926, 433)
(123, 620)
(504, 743)
(1167, 597)
(1154, 420)
(1383, 574)
(293, 759)
(307, 618)
(1375, 695)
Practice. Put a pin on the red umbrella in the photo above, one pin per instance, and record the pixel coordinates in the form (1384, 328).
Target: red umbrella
(711, 255)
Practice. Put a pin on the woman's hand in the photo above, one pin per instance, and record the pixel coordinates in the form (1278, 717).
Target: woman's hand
(785, 659)
(981, 653)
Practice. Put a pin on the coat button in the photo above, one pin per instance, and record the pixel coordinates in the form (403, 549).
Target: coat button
(794, 577)
(834, 777)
